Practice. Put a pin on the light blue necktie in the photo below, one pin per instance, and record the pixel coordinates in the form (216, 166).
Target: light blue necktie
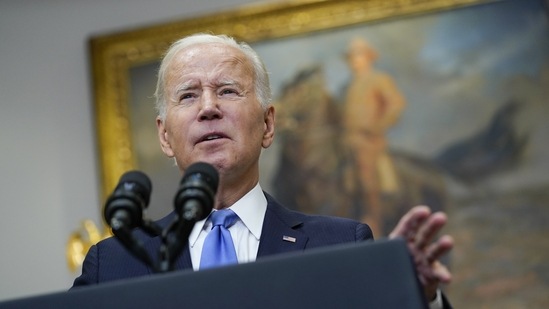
(218, 246)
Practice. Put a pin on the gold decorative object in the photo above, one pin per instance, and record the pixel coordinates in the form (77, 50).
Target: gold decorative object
(80, 241)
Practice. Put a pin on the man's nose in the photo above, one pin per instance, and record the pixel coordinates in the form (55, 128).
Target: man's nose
(209, 107)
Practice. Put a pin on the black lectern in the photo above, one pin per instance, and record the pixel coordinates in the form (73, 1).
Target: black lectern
(365, 275)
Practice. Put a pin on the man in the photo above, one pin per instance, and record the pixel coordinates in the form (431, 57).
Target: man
(213, 102)
(372, 106)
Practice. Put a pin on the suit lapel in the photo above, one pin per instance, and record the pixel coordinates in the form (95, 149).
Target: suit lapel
(184, 259)
(280, 233)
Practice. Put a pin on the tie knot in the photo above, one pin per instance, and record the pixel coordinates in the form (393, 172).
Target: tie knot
(224, 217)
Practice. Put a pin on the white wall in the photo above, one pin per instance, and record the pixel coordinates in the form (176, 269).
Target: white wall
(48, 157)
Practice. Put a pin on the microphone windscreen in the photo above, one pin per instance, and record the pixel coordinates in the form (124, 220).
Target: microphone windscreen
(144, 185)
(207, 172)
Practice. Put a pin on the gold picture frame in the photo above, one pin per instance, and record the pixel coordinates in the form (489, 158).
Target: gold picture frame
(113, 55)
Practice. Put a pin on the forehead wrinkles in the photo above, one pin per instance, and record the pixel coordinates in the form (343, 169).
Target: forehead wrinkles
(213, 62)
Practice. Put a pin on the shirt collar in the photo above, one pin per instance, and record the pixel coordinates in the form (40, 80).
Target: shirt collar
(251, 209)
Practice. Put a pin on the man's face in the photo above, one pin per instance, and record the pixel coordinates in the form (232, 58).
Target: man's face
(213, 114)
(359, 61)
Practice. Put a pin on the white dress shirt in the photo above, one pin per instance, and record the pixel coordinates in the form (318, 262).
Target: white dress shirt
(246, 232)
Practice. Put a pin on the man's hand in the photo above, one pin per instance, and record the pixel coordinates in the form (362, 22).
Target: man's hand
(419, 227)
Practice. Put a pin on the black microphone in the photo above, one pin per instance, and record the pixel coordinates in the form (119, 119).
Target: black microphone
(124, 207)
(196, 194)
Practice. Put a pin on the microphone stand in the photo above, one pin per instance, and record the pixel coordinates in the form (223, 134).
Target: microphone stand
(173, 240)
(131, 243)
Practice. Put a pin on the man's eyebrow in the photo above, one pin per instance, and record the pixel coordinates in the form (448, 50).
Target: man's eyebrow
(228, 82)
(188, 85)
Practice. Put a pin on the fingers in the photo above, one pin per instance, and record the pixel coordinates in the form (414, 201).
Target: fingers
(432, 273)
(427, 232)
(440, 248)
(440, 274)
(443, 274)
(411, 222)
(419, 227)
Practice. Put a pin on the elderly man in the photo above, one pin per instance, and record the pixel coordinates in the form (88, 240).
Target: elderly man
(213, 101)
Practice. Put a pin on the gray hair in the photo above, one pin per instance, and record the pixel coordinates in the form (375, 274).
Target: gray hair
(261, 78)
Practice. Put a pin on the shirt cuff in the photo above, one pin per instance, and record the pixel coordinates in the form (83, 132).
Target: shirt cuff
(437, 302)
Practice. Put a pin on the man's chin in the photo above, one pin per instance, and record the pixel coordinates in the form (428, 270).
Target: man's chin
(218, 162)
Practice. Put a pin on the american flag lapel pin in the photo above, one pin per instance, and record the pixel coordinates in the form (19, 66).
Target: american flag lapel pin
(289, 238)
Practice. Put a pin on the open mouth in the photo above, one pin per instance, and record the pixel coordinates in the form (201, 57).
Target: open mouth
(211, 137)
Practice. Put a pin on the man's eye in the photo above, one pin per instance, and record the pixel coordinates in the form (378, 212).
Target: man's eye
(228, 91)
(185, 96)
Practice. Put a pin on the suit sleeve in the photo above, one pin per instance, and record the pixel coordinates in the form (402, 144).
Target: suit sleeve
(90, 269)
(363, 233)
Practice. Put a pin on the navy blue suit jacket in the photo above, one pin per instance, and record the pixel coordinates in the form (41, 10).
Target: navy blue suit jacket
(109, 260)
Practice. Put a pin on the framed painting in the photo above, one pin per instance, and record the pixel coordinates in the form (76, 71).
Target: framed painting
(124, 64)
(381, 105)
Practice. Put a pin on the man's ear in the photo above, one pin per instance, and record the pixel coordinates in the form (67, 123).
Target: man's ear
(269, 131)
(164, 138)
